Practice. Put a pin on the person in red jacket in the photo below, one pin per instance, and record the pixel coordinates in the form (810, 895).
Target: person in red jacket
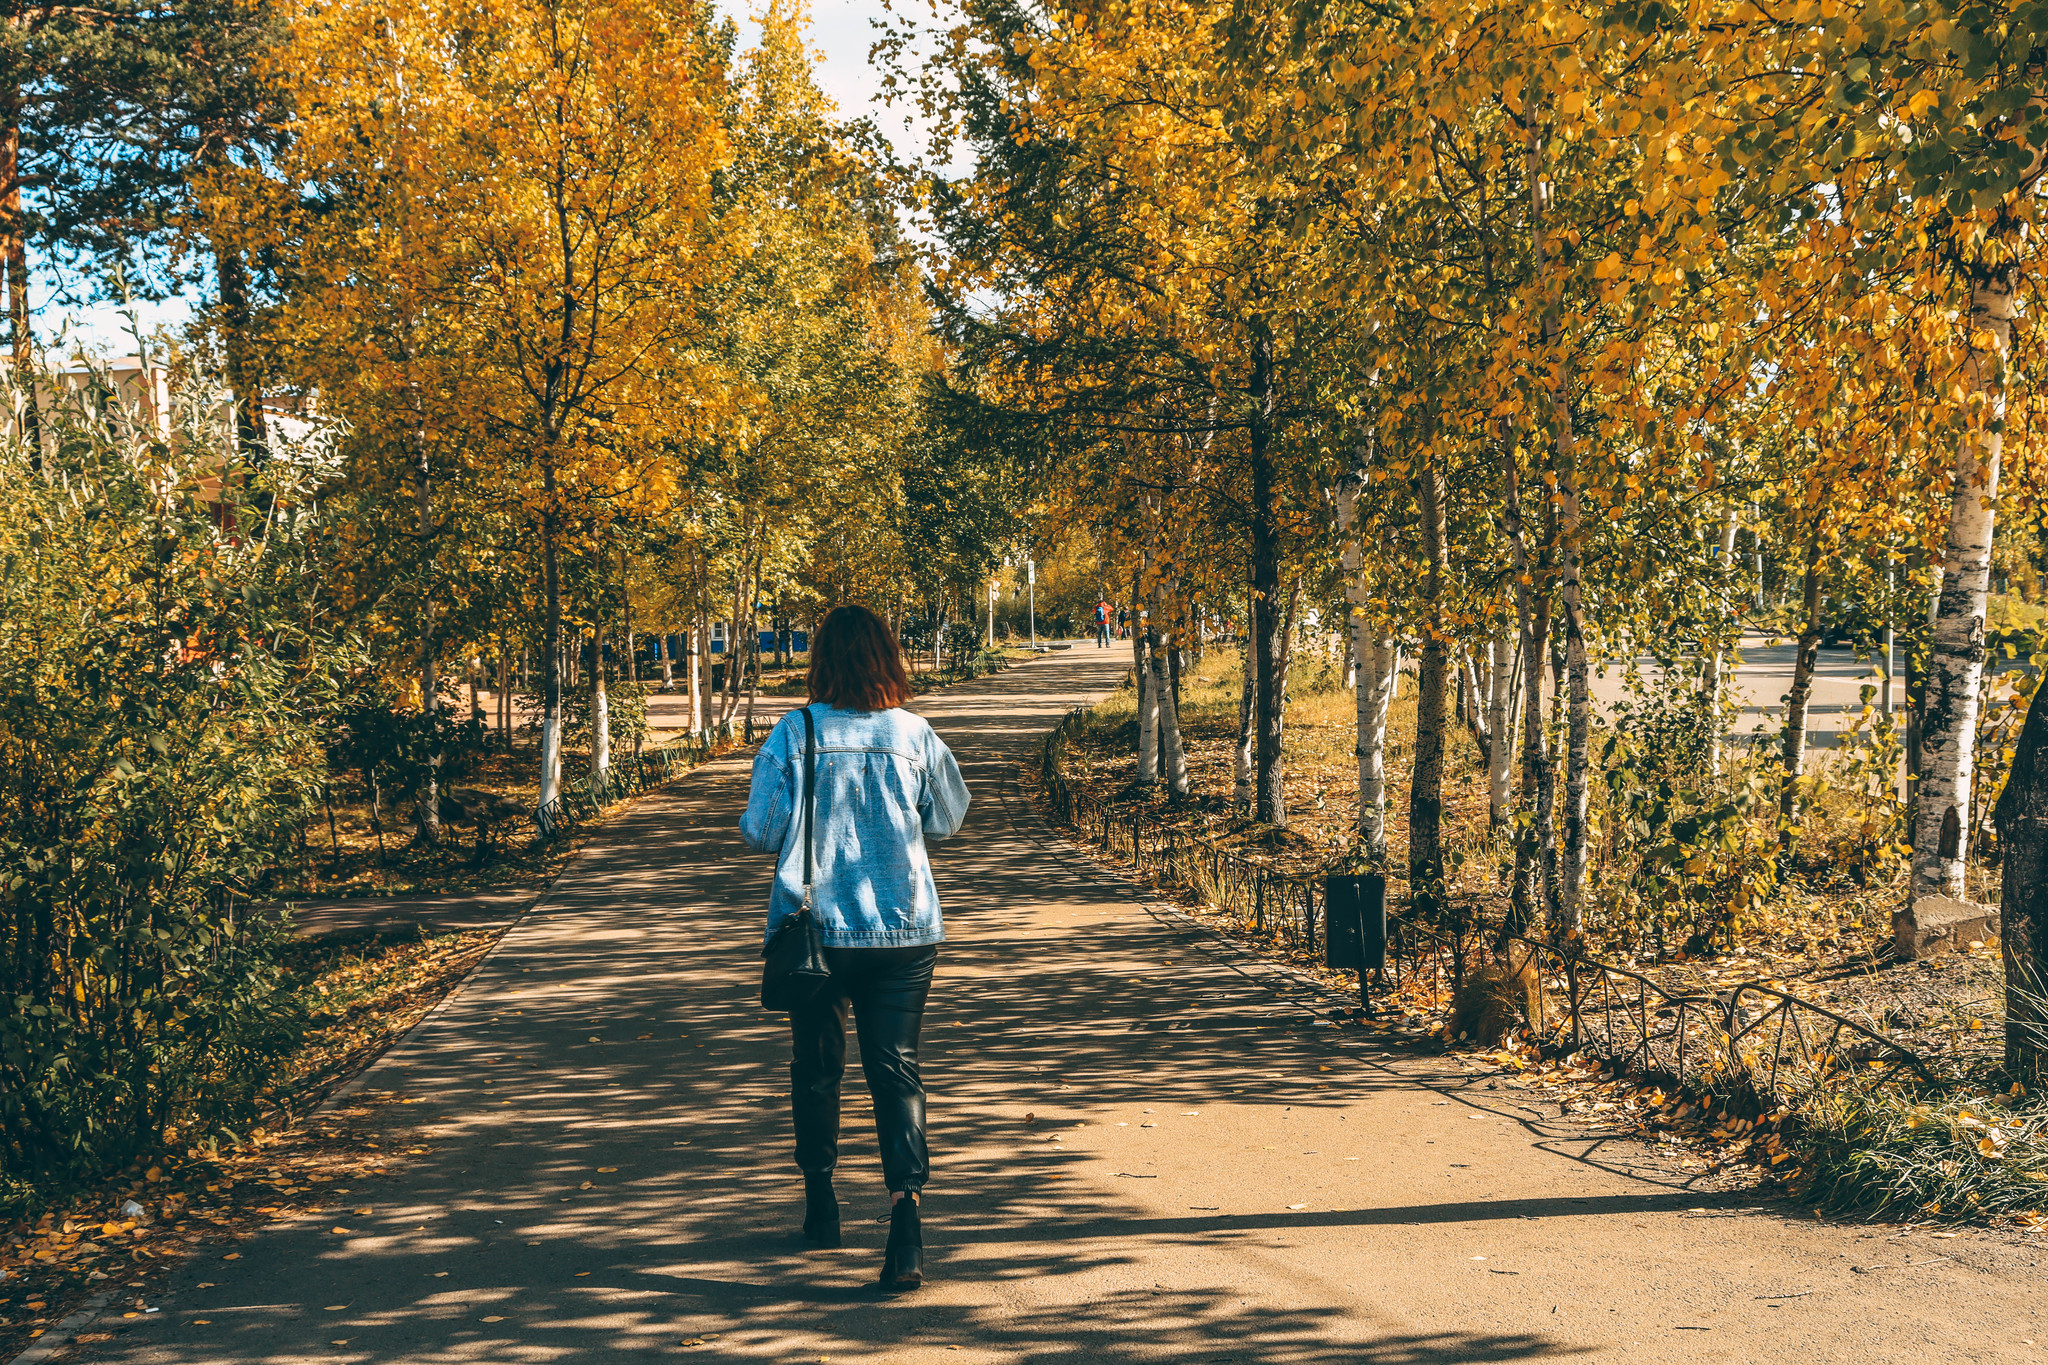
(1102, 625)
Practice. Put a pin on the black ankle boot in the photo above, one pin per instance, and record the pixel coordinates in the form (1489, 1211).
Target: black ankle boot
(821, 1211)
(903, 1261)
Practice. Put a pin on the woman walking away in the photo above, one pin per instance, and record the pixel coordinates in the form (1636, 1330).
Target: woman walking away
(882, 784)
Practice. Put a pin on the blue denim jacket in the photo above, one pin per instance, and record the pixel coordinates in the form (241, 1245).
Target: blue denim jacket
(886, 783)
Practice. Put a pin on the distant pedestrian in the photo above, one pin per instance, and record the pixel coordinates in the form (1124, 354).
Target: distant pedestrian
(1123, 623)
(1102, 625)
(883, 784)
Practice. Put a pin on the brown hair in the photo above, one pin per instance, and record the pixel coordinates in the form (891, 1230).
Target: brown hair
(856, 664)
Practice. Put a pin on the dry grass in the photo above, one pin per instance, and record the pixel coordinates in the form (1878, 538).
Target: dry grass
(348, 858)
(1831, 914)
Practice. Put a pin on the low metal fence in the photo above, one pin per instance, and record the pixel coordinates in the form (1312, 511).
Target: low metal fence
(628, 776)
(1749, 1035)
(1749, 1032)
(1289, 905)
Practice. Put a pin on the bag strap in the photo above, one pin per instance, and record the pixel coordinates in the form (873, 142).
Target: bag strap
(810, 798)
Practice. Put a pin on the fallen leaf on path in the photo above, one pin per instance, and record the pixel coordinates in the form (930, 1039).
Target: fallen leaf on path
(340, 1232)
(1297, 1206)
(232, 1256)
(494, 1319)
(606, 1170)
(584, 1186)
(336, 1307)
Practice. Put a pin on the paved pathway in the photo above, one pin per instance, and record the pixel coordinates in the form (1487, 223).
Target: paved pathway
(1146, 1150)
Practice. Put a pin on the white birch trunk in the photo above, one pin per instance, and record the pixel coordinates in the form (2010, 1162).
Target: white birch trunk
(600, 712)
(1379, 674)
(1948, 728)
(1141, 677)
(1241, 757)
(1148, 711)
(1500, 719)
(551, 660)
(735, 648)
(753, 668)
(1579, 712)
(696, 648)
(1710, 676)
(1792, 742)
(1578, 722)
(1478, 716)
(430, 788)
(430, 702)
(1173, 759)
(550, 757)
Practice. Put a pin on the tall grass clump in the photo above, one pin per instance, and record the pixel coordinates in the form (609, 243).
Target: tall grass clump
(1878, 1149)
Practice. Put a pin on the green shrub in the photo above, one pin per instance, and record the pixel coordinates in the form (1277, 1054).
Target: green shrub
(963, 639)
(160, 698)
(625, 714)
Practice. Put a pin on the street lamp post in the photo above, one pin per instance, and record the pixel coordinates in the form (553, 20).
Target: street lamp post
(992, 613)
(1031, 590)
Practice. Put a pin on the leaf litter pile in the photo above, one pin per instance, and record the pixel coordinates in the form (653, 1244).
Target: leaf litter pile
(119, 1236)
(1856, 1148)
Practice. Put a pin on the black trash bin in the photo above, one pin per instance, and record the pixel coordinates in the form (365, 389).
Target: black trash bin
(1355, 937)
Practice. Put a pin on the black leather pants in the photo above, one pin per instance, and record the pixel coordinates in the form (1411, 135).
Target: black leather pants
(886, 988)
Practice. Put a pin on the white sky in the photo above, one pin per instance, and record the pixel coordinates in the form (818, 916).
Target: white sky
(841, 33)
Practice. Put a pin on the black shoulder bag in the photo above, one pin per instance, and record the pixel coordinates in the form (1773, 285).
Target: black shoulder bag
(795, 967)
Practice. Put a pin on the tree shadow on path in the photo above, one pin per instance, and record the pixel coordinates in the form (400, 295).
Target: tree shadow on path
(604, 1168)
